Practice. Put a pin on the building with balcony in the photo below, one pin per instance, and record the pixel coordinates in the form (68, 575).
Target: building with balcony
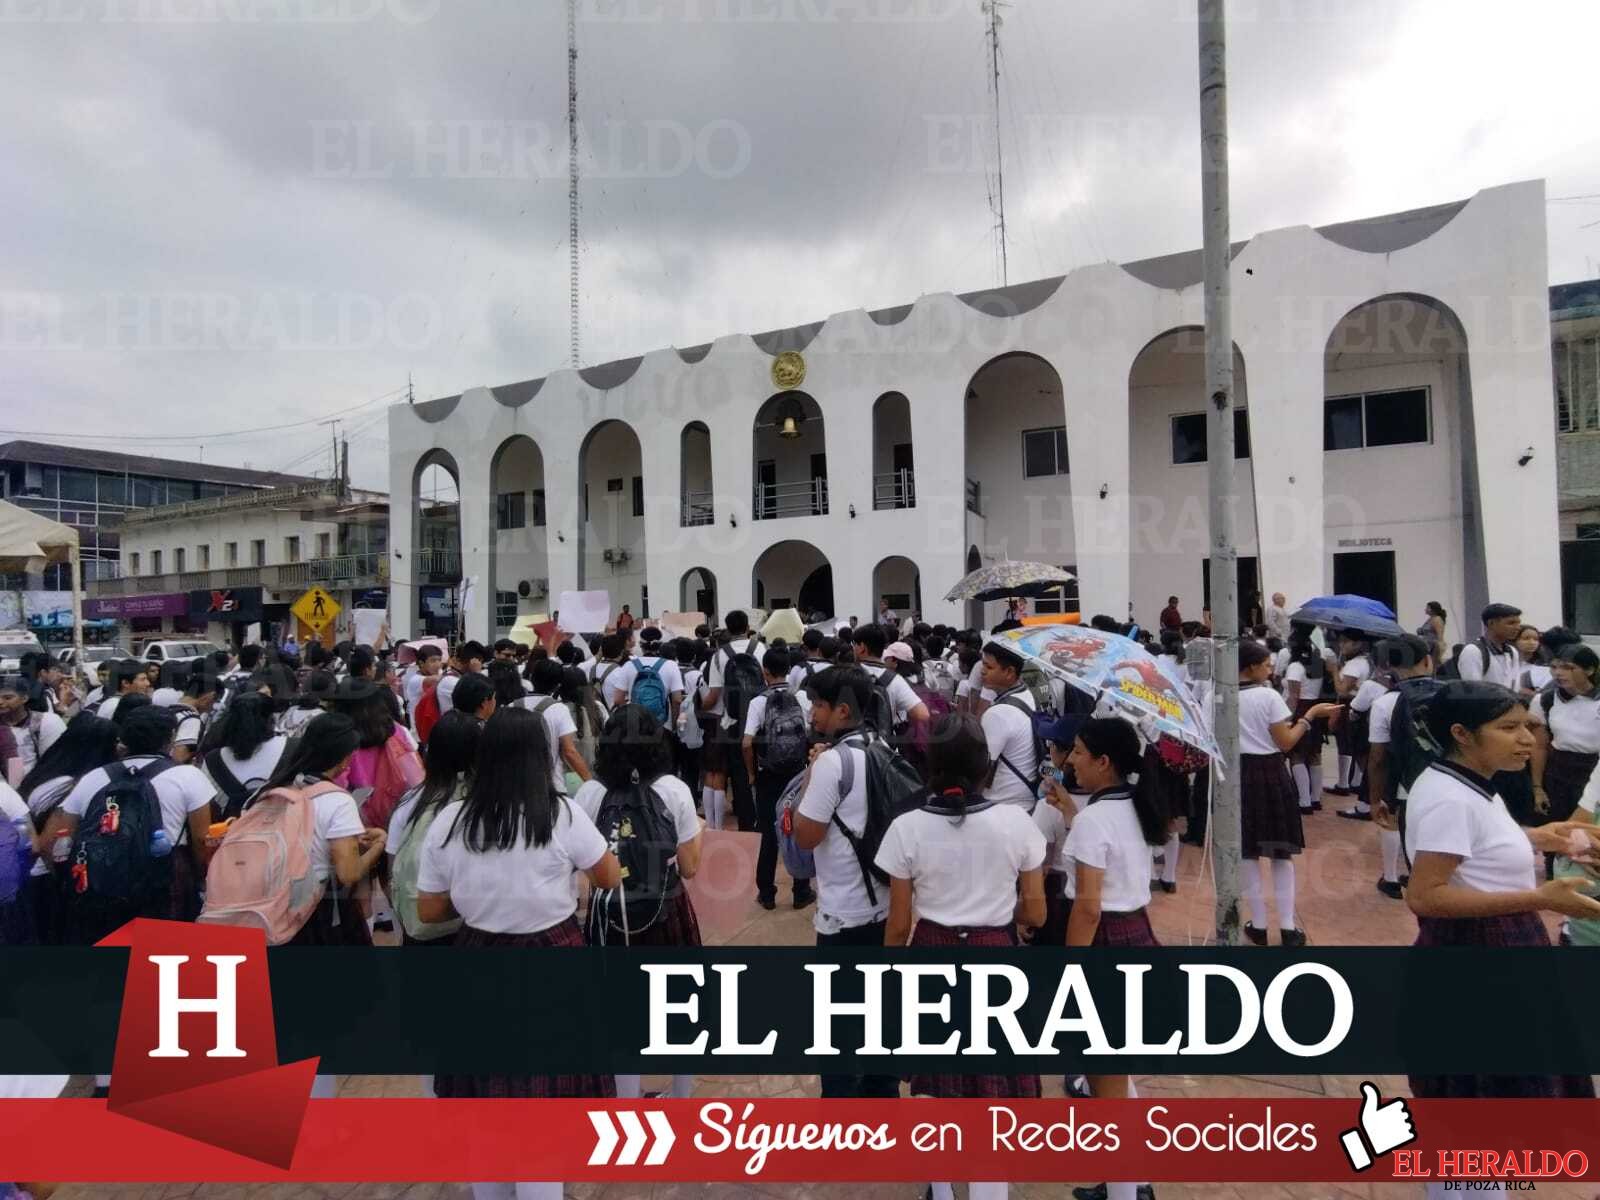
(212, 568)
(1391, 375)
(1575, 356)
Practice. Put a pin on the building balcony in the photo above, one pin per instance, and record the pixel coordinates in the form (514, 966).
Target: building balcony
(897, 489)
(974, 498)
(696, 508)
(772, 500)
(432, 565)
(345, 570)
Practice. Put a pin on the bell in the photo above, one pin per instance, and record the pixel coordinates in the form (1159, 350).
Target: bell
(789, 429)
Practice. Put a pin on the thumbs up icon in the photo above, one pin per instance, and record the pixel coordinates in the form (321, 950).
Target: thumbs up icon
(1383, 1128)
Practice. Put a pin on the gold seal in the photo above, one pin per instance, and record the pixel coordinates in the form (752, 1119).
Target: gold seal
(788, 370)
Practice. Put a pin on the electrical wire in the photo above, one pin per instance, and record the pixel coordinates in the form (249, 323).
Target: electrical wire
(187, 438)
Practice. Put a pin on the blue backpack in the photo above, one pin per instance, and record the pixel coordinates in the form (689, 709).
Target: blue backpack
(648, 692)
(801, 864)
(16, 859)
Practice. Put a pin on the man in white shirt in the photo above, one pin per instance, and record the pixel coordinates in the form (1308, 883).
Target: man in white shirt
(429, 662)
(128, 677)
(869, 643)
(619, 683)
(1008, 728)
(1493, 657)
(729, 737)
(852, 908)
(467, 660)
(1278, 617)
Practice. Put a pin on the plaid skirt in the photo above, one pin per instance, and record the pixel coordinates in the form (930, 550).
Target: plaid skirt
(1565, 774)
(677, 926)
(1308, 749)
(1269, 809)
(1511, 929)
(552, 1087)
(1125, 929)
(972, 1087)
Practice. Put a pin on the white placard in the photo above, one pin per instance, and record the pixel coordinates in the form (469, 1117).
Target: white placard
(681, 624)
(584, 612)
(368, 622)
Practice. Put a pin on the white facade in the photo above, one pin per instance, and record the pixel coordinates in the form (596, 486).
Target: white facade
(1449, 302)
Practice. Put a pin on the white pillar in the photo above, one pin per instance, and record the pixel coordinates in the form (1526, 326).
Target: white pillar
(402, 519)
(477, 537)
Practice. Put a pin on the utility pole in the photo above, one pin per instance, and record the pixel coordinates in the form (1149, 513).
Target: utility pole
(333, 434)
(992, 10)
(572, 172)
(1225, 838)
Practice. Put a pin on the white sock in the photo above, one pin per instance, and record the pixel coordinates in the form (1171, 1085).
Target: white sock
(1169, 865)
(1283, 891)
(1250, 885)
(628, 1087)
(713, 800)
(1345, 763)
(722, 806)
(682, 1087)
(1362, 806)
(1356, 773)
(1389, 843)
(705, 801)
(1302, 781)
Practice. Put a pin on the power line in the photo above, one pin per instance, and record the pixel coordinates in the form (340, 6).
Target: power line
(187, 438)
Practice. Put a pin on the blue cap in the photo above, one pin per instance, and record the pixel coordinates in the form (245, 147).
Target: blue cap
(1058, 728)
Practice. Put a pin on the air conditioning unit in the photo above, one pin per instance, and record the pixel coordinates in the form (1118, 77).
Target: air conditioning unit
(525, 589)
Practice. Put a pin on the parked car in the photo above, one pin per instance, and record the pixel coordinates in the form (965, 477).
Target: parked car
(88, 671)
(175, 651)
(14, 643)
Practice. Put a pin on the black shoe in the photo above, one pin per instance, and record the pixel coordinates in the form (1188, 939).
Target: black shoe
(1391, 890)
(1355, 814)
(1099, 1192)
(767, 902)
(1168, 888)
(1256, 937)
(100, 1093)
(1340, 791)
(1316, 806)
(1291, 937)
(804, 899)
(1077, 1086)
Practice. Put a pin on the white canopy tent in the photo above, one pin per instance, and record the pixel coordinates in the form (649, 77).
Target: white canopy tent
(29, 542)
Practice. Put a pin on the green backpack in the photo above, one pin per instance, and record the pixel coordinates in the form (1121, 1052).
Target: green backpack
(403, 883)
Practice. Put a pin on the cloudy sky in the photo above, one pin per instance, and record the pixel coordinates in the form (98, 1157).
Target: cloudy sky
(224, 215)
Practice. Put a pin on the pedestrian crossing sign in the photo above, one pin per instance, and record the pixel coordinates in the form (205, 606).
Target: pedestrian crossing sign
(316, 608)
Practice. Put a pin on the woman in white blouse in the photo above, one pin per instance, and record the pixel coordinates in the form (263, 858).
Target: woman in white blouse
(1474, 870)
(1567, 730)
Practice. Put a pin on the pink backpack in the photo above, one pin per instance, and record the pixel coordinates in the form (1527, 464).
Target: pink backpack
(262, 876)
(398, 769)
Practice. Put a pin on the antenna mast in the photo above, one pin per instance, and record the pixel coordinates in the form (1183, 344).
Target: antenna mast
(991, 8)
(572, 171)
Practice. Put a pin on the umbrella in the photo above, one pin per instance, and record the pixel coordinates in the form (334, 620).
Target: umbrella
(1359, 614)
(1001, 580)
(1118, 670)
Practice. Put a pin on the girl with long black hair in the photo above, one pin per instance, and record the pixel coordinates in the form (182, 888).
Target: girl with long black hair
(1306, 683)
(241, 750)
(89, 742)
(451, 755)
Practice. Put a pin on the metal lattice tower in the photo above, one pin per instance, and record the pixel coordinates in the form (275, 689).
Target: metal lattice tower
(572, 171)
(991, 9)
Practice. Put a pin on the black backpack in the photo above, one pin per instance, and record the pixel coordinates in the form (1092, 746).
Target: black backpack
(742, 681)
(1041, 755)
(1412, 749)
(893, 788)
(115, 873)
(641, 833)
(878, 709)
(1452, 668)
(781, 743)
(235, 791)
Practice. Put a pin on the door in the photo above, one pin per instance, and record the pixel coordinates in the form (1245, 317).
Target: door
(819, 484)
(1251, 611)
(766, 485)
(905, 495)
(1368, 573)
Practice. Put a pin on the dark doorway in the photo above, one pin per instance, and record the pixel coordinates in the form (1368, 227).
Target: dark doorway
(1580, 582)
(819, 488)
(1250, 609)
(1368, 573)
(766, 488)
(904, 477)
(816, 593)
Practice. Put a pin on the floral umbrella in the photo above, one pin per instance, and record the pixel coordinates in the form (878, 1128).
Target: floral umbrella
(1111, 667)
(1001, 580)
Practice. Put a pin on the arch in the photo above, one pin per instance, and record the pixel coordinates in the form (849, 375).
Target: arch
(519, 562)
(611, 523)
(1170, 522)
(894, 476)
(696, 503)
(796, 574)
(435, 553)
(697, 592)
(1019, 495)
(899, 580)
(789, 449)
(1397, 406)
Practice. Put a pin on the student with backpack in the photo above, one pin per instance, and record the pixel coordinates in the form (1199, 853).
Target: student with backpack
(1306, 679)
(1393, 749)
(467, 659)
(240, 752)
(1008, 726)
(128, 678)
(138, 829)
(733, 680)
(307, 705)
(893, 705)
(776, 748)
(475, 696)
(652, 681)
(193, 712)
(835, 821)
(690, 731)
(452, 751)
(560, 729)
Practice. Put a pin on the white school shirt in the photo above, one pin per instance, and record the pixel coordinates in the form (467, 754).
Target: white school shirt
(1451, 812)
(1009, 732)
(963, 875)
(1260, 708)
(558, 723)
(36, 735)
(1380, 726)
(1357, 668)
(669, 789)
(41, 800)
(191, 725)
(336, 817)
(446, 689)
(842, 900)
(1501, 668)
(108, 708)
(714, 676)
(1052, 826)
(166, 697)
(1106, 835)
(1367, 695)
(412, 687)
(15, 809)
(974, 682)
(1574, 723)
(523, 889)
(902, 697)
(181, 791)
(619, 684)
(259, 766)
(297, 718)
(1175, 668)
(1310, 689)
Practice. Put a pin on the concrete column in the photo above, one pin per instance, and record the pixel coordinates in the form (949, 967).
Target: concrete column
(402, 522)
(477, 540)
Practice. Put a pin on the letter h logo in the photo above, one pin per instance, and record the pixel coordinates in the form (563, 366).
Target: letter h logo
(225, 1004)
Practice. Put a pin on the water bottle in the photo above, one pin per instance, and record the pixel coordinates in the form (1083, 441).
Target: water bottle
(160, 843)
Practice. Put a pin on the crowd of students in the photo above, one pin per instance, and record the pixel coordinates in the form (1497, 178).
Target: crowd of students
(925, 786)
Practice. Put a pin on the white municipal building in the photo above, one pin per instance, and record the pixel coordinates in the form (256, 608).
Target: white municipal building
(1392, 378)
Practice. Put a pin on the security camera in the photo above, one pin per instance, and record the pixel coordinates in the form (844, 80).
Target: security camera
(1527, 457)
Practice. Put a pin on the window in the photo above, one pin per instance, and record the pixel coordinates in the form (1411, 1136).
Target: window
(324, 545)
(1189, 436)
(230, 554)
(291, 549)
(613, 485)
(113, 489)
(1044, 452)
(1588, 533)
(202, 558)
(258, 552)
(1063, 600)
(78, 485)
(1397, 418)
(177, 560)
(638, 495)
(133, 562)
(505, 609)
(1577, 372)
(538, 508)
(510, 510)
(155, 562)
(644, 603)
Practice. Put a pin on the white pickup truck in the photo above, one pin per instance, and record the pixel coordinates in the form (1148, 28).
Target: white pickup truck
(14, 643)
(176, 651)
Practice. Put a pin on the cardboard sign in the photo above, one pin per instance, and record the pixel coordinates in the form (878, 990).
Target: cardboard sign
(584, 612)
(681, 624)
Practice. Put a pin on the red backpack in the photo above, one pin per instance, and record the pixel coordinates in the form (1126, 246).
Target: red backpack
(427, 714)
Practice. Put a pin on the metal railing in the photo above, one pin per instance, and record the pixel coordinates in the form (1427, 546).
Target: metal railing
(343, 568)
(974, 497)
(696, 508)
(809, 499)
(437, 563)
(897, 489)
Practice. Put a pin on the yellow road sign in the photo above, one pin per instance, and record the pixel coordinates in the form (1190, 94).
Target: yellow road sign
(316, 608)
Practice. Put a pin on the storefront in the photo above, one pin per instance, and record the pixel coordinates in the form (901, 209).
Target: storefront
(225, 615)
(143, 615)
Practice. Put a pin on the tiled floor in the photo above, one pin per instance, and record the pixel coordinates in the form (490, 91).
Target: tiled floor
(1339, 905)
